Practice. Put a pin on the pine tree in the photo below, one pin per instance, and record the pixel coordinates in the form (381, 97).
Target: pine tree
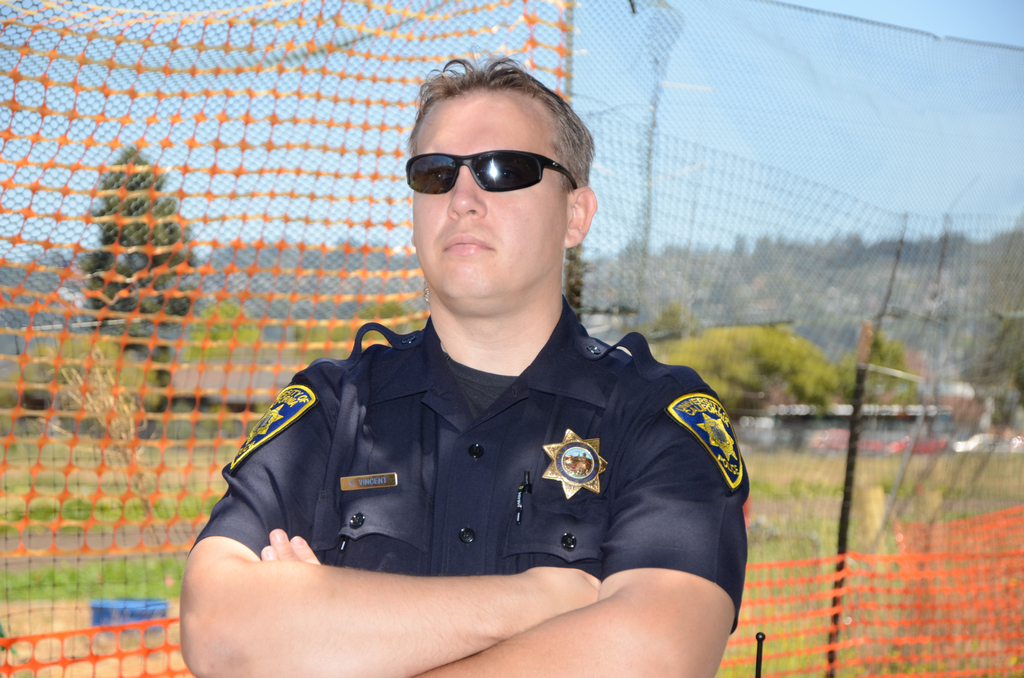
(136, 216)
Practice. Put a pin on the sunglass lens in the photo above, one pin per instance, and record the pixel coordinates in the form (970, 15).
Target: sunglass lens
(506, 171)
(432, 174)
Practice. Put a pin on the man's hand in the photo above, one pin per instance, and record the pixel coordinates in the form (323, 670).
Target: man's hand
(282, 548)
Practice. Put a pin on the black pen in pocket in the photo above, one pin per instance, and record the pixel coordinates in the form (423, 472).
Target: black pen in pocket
(527, 488)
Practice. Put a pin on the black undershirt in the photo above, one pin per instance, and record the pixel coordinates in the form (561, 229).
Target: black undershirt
(480, 388)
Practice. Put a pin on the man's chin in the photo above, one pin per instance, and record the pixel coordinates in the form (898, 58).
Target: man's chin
(474, 302)
(483, 302)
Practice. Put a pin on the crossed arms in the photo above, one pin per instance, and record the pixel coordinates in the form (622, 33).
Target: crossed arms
(285, 614)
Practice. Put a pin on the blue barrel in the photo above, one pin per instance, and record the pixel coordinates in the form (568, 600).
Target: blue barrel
(107, 612)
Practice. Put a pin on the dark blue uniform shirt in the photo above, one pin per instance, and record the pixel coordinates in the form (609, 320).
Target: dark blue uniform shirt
(663, 501)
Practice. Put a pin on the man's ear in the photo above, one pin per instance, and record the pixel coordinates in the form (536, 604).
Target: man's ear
(582, 208)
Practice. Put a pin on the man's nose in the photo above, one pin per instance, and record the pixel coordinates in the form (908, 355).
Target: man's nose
(466, 195)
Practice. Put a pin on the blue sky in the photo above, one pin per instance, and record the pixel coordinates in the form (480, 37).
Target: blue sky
(762, 94)
(999, 21)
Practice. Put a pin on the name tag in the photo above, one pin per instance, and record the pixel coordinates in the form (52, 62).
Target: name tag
(369, 482)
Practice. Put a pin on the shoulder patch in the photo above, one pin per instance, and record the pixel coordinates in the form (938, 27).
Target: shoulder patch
(707, 420)
(291, 404)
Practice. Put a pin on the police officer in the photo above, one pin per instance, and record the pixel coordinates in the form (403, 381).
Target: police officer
(500, 493)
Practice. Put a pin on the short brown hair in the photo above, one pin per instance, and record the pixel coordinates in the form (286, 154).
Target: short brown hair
(572, 141)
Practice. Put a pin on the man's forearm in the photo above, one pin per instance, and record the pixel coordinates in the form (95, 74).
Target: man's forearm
(250, 618)
(648, 623)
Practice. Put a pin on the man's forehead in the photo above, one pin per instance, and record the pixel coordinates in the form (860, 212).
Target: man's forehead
(489, 114)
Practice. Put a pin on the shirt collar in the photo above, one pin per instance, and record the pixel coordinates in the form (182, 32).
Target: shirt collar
(561, 368)
(412, 371)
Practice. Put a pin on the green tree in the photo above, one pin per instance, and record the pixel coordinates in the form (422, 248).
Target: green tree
(751, 367)
(1003, 361)
(132, 213)
(674, 322)
(997, 369)
(880, 388)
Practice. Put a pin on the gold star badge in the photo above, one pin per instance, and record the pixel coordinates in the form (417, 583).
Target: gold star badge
(576, 463)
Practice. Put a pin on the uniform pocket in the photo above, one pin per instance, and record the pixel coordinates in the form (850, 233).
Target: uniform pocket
(401, 513)
(375, 527)
(554, 531)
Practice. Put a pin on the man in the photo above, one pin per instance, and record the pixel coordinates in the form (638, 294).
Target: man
(502, 494)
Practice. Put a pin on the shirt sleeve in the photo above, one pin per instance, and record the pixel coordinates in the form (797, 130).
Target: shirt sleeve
(277, 485)
(672, 508)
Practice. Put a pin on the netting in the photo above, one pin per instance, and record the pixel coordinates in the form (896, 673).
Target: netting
(998, 531)
(769, 178)
(948, 605)
(937, 615)
(195, 204)
(151, 648)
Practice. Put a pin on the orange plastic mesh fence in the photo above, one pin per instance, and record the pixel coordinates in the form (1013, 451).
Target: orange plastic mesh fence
(935, 615)
(950, 604)
(997, 531)
(150, 648)
(195, 206)
(946, 614)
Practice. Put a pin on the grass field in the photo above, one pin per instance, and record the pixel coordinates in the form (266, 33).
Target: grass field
(795, 497)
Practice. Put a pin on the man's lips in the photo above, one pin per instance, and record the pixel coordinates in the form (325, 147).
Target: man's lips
(465, 244)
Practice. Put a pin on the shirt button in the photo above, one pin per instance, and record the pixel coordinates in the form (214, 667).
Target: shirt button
(476, 450)
(356, 521)
(568, 541)
(467, 535)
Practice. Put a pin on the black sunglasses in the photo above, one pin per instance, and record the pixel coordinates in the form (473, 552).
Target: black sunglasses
(494, 171)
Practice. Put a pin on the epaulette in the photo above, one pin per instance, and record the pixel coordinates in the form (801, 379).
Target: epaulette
(697, 410)
(635, 344)
(397, 341)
